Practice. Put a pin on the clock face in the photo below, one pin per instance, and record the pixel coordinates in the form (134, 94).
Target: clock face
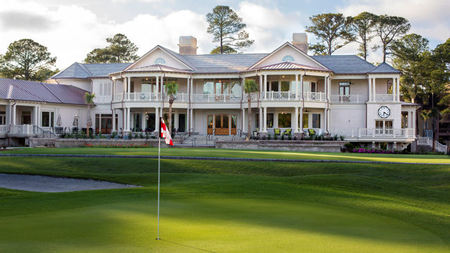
(384, 112)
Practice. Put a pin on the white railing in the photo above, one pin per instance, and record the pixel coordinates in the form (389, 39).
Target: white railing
(102, 99)
(440, 147)
(374, 133)
(384, 98)
(346, 99)
(280, 95)
(425, 141)
(140, 96)
(212, 98)
(4, 129)
(315, 96)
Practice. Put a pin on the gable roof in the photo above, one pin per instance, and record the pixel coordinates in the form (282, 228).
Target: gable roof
(288, 66)
(288, 44)
(384, 68)
(90, 70)
(11, 89)
(345, 64)
(222, 63)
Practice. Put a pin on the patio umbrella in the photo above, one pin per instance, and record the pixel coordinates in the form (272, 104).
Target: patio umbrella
(58, 121)
(75, 121)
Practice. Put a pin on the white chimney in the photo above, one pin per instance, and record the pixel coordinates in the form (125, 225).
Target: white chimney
(187, 45)
(300, 41)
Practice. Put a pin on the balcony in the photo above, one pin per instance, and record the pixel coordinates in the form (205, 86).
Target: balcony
(347, 99)
(147, 97)
(384, 98)
(212, 98)
(374, 133)
(289, 95)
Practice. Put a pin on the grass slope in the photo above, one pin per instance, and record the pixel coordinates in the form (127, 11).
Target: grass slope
(224, 206)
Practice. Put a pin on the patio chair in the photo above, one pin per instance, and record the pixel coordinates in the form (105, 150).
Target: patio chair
(276, 132)
(287, 132)
(311, 132)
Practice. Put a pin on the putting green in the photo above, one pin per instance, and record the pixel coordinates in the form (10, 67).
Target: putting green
(225, 206)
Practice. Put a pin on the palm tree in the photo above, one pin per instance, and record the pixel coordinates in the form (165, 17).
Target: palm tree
(249, 87)
(89, 98)
(171, 90)
(426, 115)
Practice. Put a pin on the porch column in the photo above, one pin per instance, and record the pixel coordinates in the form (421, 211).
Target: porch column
(414, 122)
(128, 87)
(13, 114)
(143, 121)
(265, 86)
(192, 120)
(162, 86)
(35, 115)
(296, 88)
(114, 120)
(157, 89)
(243, 120)
(328, 88)
(374, 90)
(265, 120)
(128, 119)
(398, 90)
(175, 121)
(301, 119)
(296, 119)
(260, 86)
(156, 119)
(261, 127)
(370, 89)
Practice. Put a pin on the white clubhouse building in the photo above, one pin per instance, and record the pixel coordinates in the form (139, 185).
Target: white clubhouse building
(338, 94)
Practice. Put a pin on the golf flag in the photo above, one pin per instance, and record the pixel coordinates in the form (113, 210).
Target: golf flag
(165, 133)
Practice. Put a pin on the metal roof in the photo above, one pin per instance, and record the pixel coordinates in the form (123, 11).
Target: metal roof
(11, 89)
(289, 66)
(90, 70)
(344, 64)
(222, 63)
(384, 68)
(157, 68)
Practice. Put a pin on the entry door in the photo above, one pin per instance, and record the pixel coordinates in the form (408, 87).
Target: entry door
(220, 124)
(150, 122)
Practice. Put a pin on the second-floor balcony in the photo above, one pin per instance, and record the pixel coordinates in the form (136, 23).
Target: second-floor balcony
(347, 99)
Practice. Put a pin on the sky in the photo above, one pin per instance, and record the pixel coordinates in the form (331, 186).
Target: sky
(72, 28)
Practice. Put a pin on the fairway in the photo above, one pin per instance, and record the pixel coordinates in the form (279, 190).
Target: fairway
(230, 206)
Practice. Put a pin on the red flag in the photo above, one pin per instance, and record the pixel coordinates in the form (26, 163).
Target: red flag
(165, 133)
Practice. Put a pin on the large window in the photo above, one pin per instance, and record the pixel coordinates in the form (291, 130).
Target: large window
(344, 88)
(274, 86)
(284, 120)
(47, 119)
(236, 89)
(316, 120)
(208, 88)
(383, 127)
(285, 86)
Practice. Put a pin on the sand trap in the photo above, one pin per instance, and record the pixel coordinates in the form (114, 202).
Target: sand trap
(54, 184)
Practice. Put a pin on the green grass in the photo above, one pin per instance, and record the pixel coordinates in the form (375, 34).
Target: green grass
(225, 206)
(239, 153)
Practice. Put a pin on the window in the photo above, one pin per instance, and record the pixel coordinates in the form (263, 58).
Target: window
(284, 120)
(288, 58)
(47, 119)
(274, 86)
(2, 118)
(404, 119)
(208, 88)
(233, 121)
(316, 120)
(270, 120)
(383, 127)
(146, 88)
(305, 120)
(344, 88)
(160, 61)
(285, 86)
(235, 89)
(313, 87)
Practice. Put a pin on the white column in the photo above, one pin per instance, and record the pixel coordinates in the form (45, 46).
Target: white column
(260, 86)
(162, 86)
(370, 89)
(261, 127)
(13, 114)
(301, 119)
(296, 119)
(414, 122)
(374, 89)
(35, 115)
(156, 119)
(296, 87)
(328, 88)
(192, 120)
(128, 87)
(265, 86)
(114, 120)
(328, 120)
(128, 119)
(265, 120)
(157, 88)
(398, 90)
(243, 120)
(176, 123)
(143, 121)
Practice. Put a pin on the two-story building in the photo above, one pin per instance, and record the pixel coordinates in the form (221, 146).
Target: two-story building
(333, 94)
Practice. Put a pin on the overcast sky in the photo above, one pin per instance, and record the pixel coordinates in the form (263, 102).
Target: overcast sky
(72, 28)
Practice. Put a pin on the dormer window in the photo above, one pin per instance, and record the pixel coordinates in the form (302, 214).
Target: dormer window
(160, 61)
(288, 58)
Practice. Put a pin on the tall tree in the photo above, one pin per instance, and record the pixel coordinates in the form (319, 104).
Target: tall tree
(249, 87)
(28, 60)
(120, 49)
(362, 25)
(333, 31)
(388, 29)
(409, 52)
(171, 90)
(227, 28)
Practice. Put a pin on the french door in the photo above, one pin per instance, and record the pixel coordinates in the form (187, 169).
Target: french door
(221, 124)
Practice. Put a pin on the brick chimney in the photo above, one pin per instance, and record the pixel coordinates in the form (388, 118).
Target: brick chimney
(300, 41)
(187, 45)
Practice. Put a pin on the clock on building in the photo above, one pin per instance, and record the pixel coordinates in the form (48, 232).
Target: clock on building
(384, 112)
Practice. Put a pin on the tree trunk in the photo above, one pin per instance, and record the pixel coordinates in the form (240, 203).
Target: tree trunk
(384, 53)
(249, 111)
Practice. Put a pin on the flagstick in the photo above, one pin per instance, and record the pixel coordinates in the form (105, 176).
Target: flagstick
(159, 171)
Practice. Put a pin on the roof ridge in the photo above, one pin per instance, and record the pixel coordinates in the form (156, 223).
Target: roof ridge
(20, 88)
(84, 68)
(51, 92)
